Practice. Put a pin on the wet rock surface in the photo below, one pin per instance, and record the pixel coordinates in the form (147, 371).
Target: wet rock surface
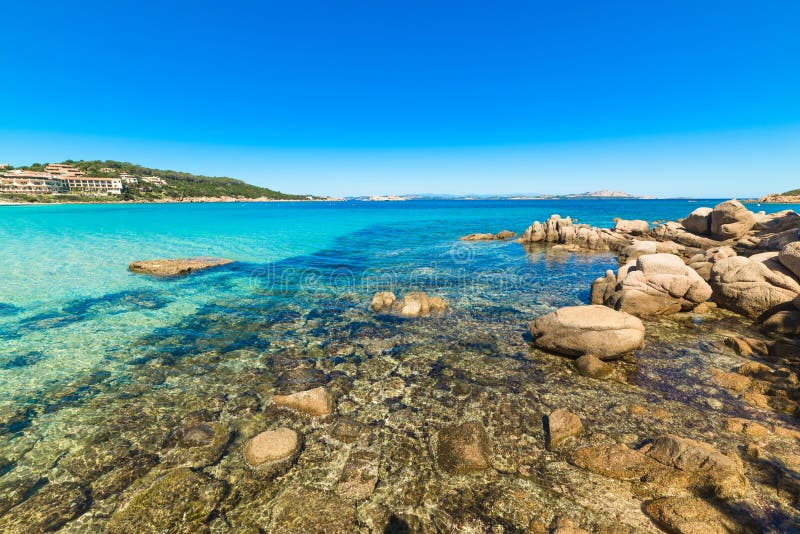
(179, 501)
(176, 267)
(579, 330)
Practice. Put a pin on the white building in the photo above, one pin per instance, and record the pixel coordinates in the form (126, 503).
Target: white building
(93, 185)
(128, 178)
(32, 183)
(155, 180)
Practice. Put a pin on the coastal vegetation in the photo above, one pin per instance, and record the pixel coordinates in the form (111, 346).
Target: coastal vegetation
(176, 185)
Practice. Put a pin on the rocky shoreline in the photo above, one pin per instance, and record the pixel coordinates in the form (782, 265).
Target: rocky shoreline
(780, 199)
(669, 402)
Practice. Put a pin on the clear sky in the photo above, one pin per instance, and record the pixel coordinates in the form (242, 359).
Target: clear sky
(698, 98)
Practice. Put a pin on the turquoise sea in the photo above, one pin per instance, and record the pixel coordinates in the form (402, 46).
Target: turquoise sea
(80, 336)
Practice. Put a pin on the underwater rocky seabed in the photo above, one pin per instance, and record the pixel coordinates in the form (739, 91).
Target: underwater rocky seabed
(152, 439)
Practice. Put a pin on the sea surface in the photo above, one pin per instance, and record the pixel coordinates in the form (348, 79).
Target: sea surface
(80, 336)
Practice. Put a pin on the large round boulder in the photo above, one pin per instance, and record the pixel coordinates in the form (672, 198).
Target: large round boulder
(731, 220)
(594, 329)
(753, 285)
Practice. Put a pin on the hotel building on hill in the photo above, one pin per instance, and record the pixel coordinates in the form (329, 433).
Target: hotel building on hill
(57, 179)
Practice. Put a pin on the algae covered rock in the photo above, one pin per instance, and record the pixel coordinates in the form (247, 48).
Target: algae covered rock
(463, 448)
(707, 467)
(562, 426)
(196, 444)
(616, 461)
(693, 515)
(305, 510)
(181, 501)
(592, 366)
(48, 509)
(579, 330)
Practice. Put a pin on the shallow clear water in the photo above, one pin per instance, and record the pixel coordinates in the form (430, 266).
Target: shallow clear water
(79, 333)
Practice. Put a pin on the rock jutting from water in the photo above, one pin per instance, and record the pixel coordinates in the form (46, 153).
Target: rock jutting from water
(597, 330)
(176, 267)
(499, 236)
(415, 304)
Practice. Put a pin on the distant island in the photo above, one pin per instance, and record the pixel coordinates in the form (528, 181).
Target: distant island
(115, 181)
(789, 197)
(576, 196)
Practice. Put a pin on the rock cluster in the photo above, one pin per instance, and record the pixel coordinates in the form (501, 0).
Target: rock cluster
(654, 284)
(176, 267)
(564, 232)
(415, 304)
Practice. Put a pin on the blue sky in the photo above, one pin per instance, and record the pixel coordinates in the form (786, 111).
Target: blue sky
(329, 97)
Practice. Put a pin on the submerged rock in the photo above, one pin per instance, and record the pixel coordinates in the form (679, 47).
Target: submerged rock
(48, 509)
(707, 467)
(271, 447)
(181, 501)
(693, 515)
(306, 510)
(463, 448)
(579, 330)
(562, 426)
(315, 402)
(359, 475)
(592, 366)
(616, 461)
(176, 267)
(197, 445)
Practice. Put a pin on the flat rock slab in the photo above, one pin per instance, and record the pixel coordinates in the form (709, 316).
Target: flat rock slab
(315, 402)
(176, 267)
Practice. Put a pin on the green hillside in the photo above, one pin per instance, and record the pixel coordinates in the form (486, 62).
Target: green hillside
(179, 185)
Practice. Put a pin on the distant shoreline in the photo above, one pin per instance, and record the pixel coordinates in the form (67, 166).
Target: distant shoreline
(198, 200)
